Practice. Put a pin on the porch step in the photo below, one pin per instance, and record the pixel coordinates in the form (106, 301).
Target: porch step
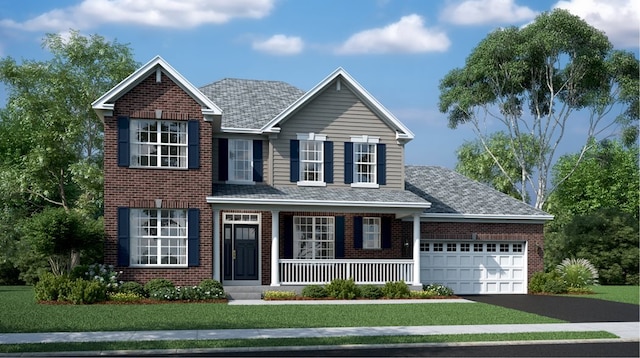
(254, 292)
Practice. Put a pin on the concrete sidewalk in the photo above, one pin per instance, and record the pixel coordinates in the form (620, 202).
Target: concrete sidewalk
(629, 331)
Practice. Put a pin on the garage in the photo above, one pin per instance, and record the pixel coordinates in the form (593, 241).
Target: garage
(475, 267)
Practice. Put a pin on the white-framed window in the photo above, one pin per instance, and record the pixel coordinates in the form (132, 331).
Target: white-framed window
(370, 233)
(365, 161)
(158, 237)
(314, 237)
(158, 143)
(240, 160)
(311, 155)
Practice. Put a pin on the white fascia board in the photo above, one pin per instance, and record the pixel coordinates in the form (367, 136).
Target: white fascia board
(290, 202)
(486, 218)
(241, 130)
(105, 101)
(404, 132)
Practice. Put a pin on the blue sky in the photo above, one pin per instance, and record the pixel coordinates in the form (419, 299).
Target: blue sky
(398, 50)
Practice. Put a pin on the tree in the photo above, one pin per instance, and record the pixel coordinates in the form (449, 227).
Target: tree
(532, 81)
(479, 164)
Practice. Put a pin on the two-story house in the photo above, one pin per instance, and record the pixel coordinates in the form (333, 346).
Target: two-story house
(258, 183)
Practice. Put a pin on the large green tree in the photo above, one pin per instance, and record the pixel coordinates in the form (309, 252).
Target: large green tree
(50, 138)
(536, 80)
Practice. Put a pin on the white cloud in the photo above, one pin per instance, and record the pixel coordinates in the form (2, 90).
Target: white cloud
(477, 12)
(280, 45)
(619, 19)
(155, 13)
(405, 36)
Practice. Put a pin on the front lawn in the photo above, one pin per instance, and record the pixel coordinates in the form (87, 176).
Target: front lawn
(21, 313)
(624, 294)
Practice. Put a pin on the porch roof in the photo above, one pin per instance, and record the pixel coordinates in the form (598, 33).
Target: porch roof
(265, 197)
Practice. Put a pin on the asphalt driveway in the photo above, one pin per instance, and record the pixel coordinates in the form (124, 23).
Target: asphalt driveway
(570, 309)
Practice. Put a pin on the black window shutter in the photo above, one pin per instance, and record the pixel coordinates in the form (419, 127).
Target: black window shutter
(382, 163)
(223, 159)
(193, 151)
(357, 232)
(288, 237)
(348, 162)
(193, 237)
(257, 160)
(123, 237)
(339, 237)
(385, 232)
(328, 162)
(123, 142)
(294, 154)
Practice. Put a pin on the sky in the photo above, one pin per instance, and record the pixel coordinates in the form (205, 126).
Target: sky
(398, 50)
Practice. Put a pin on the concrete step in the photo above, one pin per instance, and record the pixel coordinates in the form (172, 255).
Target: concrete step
(255, 292)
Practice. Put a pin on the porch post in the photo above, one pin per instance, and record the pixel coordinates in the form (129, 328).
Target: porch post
(416, 250)
(216, 245)
(275, 248)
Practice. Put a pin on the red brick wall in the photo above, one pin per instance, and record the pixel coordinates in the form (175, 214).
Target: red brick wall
(138, 188)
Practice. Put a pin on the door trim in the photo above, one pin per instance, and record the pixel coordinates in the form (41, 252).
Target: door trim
(244, 218)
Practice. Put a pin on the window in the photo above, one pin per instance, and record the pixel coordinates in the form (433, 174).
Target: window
(314, 237)
(464, 247)
(452, 247)
(517, 247)
(370, 233)
(477, 247)
(240, 160)
(311, 161)
(438, 247)
(504, 247)
(158, 144)
(365, 163)
(158, 237)
(424, 245)
(491, 247)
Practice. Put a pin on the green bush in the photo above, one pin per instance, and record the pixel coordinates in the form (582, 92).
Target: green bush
(278, 295)
(132, 287)
(578, 273)
(189, 293)
(52, 288)
(87, 292)
(314, 291)
(124, 296)
(547, 282)
(436, 289)
(212, 287)
(156, 284)
(397, 289)
(371, 292)
(422, 294)
(343, 289)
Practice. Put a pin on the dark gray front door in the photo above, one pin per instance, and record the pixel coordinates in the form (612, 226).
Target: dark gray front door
(241, 252)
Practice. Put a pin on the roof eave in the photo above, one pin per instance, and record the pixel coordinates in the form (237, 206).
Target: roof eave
(486, 217)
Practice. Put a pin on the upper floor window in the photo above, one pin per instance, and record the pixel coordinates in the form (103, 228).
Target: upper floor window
(150, 143)
(240, 160)
(365, 162)
(311, 160)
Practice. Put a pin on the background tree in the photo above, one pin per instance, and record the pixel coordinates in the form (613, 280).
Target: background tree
(596, 211)
(479, 164)
(533, 81)
(50, 138)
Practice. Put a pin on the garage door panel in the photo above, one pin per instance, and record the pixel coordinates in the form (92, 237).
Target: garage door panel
(498, 271)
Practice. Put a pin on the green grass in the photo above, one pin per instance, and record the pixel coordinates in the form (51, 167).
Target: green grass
(20, 313)
(624, 294)
(328, 341)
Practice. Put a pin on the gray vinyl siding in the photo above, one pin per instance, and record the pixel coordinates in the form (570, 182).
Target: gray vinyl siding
(338, 115)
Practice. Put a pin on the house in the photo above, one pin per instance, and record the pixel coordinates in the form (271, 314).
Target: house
(257, 183)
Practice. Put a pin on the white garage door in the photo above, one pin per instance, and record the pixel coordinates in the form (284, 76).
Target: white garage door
(475, 267)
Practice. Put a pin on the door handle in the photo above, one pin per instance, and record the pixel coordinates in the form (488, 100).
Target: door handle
(233, 254)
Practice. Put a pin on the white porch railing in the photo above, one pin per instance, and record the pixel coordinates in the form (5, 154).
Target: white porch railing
(309, 272)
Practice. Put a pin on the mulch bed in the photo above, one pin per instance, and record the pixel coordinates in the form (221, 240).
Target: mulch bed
(142, 301)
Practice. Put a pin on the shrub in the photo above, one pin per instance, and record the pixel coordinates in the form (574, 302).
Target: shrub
(52, 288)
(579, 291)
(371, 292)
(342, 289)
(132, 287)
(314, 291)
(547, 282)
(279, 295)
(189, 293)
(421, 294)
(156, 284)
(577, 273)
(436, 289)
(88, 292)
(124, 296)
(397, 289)
(212, 288)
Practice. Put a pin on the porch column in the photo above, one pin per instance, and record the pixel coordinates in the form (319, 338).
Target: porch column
(275, 248)
(216, 245)
(416, 250)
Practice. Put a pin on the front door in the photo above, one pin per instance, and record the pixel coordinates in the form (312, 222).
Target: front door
(240, 252)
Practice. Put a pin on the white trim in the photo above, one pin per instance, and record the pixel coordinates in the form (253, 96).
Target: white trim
(312, 137)
(295, 202)
(364, 139)
(365, 185)
(402, 132)
(311, 183)
(426, 217)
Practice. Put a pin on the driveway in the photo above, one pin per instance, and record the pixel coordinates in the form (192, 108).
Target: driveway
(570, 309)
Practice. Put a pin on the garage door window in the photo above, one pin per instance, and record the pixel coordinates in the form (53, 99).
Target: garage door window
(438, 247)
(452, 247)
(517, 247)
(464, 247)
(477, 247)
(504, 247)
(491, 247)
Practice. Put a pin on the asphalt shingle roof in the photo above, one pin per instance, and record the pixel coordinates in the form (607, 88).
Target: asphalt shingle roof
(250, 104)
(453, 193)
